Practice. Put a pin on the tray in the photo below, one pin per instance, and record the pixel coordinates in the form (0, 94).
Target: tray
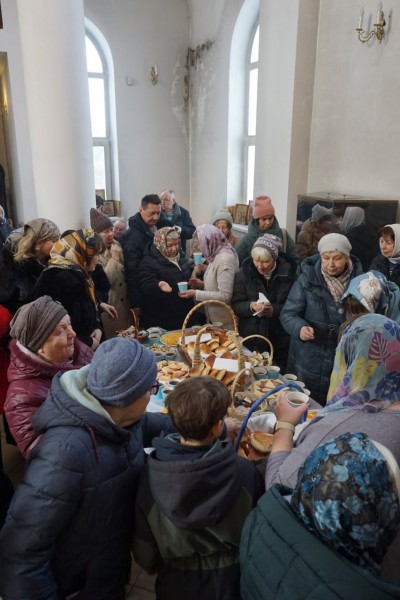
(177, 334)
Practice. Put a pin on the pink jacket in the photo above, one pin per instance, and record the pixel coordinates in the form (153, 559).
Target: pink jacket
(29, 382)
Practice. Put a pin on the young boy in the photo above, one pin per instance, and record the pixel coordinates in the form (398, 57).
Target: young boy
(193, 498)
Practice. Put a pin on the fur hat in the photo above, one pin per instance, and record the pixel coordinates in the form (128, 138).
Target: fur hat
(99, 221)
(33, 323)
(334, 242)
(320, 212)
(222, 214)
(271, 243)
(263, 207)
(122, 371)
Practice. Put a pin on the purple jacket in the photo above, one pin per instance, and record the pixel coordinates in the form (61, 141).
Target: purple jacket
(29, 382)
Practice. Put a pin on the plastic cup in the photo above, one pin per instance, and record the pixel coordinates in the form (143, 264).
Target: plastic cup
(197, 257)
(182, 286)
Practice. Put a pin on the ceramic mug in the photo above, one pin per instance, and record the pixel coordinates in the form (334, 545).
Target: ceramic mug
(290, 377)
(170, 355)
(158, 355)
(260, 373)
(296, 399)
(273, 372)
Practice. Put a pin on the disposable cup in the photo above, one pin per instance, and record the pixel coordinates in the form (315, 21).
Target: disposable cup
(197, 257)
(260, 373)
(183, 286)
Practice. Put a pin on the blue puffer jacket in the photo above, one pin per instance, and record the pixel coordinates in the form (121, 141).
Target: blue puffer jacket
(310, 303)
(69, 525)
(281, 560)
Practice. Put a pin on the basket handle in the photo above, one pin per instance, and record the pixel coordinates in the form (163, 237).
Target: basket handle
(239, 374)
(197, 354)
(135, 323)
(265, 339)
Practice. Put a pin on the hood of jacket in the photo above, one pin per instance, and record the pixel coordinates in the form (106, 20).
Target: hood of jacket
(25, 364)
(196, 492)
(285, 267)
(255, 230)
(77, 408)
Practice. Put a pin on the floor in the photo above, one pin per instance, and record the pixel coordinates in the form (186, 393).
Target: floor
(141, 585)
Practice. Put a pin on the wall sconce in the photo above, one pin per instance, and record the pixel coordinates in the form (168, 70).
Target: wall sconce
(154, 75)
(378, 31)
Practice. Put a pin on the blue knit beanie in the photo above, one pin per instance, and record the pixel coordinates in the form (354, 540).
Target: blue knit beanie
(122, 371)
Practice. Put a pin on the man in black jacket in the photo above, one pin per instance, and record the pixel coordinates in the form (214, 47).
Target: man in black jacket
(173, 214)
(139, 235)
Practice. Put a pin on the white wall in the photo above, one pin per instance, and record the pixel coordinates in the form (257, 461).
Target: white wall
(355, 141)
(151, 122)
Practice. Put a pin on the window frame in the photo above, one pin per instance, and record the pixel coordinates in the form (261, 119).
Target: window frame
(249, 140)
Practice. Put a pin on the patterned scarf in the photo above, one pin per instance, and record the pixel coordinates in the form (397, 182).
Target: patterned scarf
(346, 495)
(366, 372)
(160, 243)
(75, 252)
(337, 285)
(212, 241)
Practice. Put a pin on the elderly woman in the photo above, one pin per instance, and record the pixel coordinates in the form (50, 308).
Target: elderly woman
(388, 260)
(68, 280)
(44, 343)
(223, 221)
(23, 259)
(219, 275)
(312, 230)
(362, 236)
(313, 314)
(271, 273)
(112, 261)
(264, 221)
(335, 529)
(364, 395)
(160, 271)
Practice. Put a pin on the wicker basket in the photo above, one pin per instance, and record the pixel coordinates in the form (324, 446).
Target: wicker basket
(267, 361)
(133, 331)
(206, 328)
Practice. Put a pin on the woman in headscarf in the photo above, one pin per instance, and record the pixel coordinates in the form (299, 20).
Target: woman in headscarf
(44, 343)
(68, 279)
(23, 258)
(271, 273)
(388, 260)
(332, 532)
(364, 395)
(313, 313)
(219, 275)
(362, 236)
(160, 271)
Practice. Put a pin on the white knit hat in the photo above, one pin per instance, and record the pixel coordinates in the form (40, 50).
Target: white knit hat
(222, 214)
(334, 242)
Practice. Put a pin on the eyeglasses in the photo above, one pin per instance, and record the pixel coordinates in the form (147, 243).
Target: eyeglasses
(154, 390)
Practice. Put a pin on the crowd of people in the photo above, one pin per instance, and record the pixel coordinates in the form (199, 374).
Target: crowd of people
(74, 397)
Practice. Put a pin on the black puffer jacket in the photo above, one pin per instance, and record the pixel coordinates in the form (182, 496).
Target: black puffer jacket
(166, 310)
(134, 243)
(310, 304)
(248, 284)
(380, 263)
(69, 526)
(17, 279)
(68, 286)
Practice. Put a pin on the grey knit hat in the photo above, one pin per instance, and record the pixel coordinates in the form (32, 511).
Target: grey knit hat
(121, 371)
(222, 214)
(334, 242)
(271, 243)
(33, 323)
(320, 212)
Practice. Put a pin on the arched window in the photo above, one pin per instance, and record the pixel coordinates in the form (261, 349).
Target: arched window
(251, 116)
(100, 115)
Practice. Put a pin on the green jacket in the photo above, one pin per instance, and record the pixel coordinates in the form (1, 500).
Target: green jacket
(246, 243)
(281, 560)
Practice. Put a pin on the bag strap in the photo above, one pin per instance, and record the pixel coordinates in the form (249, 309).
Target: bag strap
(284, 239)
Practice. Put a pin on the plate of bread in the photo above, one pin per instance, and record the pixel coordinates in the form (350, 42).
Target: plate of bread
(171, 369)
(259, 441)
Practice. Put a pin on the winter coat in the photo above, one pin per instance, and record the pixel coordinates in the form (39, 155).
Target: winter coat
(69, 287)
(118, 295)
(30, 380)
(218, 285)
(310, 304)
(101, 283)
(5, 231)
(364, 244)
(6, 492)
(182, 218)
(69, 525)
(308, 238)
(134, 242)
(189, 513)
(246, 243)
(380, 263)
(163, 309)
(281, 559)
(5, 318)
(17, 279)
(248, 284)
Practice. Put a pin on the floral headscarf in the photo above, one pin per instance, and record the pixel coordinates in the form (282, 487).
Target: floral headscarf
(75, 251)
(160, 240)
(212, 241)
(345, 493)
(376, 294)
(366, 372)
